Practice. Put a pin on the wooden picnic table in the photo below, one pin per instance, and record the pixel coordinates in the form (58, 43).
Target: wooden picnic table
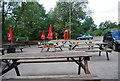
(50, 45)
(80, 58)
(100, 45)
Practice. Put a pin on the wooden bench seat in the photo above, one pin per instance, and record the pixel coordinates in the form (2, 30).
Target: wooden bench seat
(87, 77)
(86, 48)
(103, 50)
(44, 61)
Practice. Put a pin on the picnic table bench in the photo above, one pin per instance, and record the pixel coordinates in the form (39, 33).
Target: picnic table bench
(102, 50)
(80, 58)
(87, 77)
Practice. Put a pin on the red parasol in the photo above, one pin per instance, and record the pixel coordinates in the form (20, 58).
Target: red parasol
(43, 35)
(50, 33)
(10, 34)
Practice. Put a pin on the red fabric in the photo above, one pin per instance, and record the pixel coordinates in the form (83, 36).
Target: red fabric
(56, 35)
(50, 36)
(10, 34)
(43, 35)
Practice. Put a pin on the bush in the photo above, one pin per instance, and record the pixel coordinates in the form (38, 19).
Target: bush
(95, 32)
(22, 38)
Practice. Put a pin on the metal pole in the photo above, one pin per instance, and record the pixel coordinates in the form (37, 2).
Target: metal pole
(70, 17)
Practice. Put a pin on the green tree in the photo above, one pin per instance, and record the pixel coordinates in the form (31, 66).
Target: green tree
(68, 15)
(107, 24)
(6, 10)
(88, 24)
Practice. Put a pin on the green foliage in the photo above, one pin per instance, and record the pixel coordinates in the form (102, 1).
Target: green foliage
(28, 19)
(68, 15)
(107, 24)
(22, 38)
(32, 19)
(88, 24)
(97, 32)
(103, 28)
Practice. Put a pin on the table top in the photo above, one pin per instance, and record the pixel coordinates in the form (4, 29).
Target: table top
(7, 44)
(98, 43)
(95, 43)
(52, 55)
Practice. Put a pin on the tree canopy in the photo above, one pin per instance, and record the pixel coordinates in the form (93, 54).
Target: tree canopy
(28, 19)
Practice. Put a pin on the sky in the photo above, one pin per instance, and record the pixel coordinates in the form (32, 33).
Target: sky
(102, 9)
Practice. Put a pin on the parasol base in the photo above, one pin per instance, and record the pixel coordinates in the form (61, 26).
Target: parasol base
(10, 50)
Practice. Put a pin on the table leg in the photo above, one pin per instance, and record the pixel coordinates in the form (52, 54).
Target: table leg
(60, 48)
(65, 42)
(86, 67)
(13, 65)
(79, 67)
(70, 47)
(107, 55)
(48, 48)
(62, 43)
(70, 42)
(74, 47)
(7, 62)
(54, 48)
(42, 49)
(3, 51)
(100, 46)
(16, 68)
(99, 53)
(67, 59)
